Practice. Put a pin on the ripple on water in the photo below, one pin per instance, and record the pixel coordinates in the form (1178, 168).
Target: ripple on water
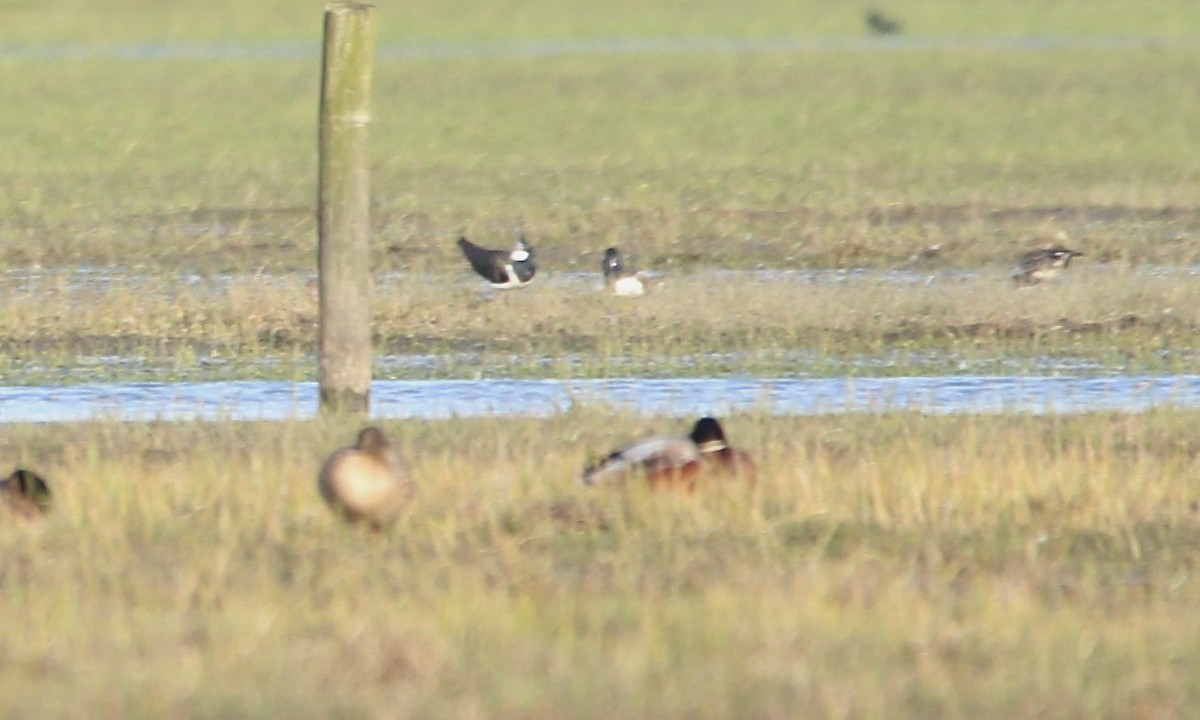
(101, 278)
(270, 400)
(552, 48)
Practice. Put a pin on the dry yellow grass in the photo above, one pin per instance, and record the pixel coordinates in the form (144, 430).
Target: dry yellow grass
(886, 567)
(1133, 316)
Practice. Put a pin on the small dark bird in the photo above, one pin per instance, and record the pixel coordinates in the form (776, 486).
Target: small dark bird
(667, 462)
(620, 278)
(367, 482)
(881, 24)
(25, 495)
(1043, 264)
(503, 269)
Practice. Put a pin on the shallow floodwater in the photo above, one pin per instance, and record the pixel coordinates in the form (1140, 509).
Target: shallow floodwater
(270, 400)
(428, 50)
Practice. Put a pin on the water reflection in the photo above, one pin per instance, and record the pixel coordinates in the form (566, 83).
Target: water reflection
(269, 400)
(106, 279)
(610, 47)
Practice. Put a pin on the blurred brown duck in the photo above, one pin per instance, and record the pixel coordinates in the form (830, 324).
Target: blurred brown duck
(668, 461)
(368, 482)
(1043, 264)
(25, 495)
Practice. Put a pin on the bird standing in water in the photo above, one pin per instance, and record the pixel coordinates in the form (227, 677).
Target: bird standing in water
(621, 279)
(503, 269)
(1043, 264)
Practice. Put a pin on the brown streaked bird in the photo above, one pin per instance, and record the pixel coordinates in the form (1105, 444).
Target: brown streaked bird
(368, 482)
(621, 278)
(682, 462)
(503, 269)
(1043, 264)
(25, 494)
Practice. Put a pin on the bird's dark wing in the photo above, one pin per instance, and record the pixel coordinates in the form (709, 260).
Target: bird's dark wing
(1031, 260)
(488, 263)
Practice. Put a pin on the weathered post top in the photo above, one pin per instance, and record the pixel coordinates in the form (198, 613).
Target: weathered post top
(350, 49)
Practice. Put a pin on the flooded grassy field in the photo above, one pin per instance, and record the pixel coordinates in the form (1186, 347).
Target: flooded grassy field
(177, 232)
(819, 203)
(111, 325)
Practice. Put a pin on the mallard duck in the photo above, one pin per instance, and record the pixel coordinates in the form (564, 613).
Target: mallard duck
(367, 482)
(25, 494)
(621, 279)
(669, 461)
(503, 269)
(1043, 264)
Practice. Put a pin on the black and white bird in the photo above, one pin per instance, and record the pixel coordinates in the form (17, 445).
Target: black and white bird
(620, 278)
(503, 269)
(1043, 264)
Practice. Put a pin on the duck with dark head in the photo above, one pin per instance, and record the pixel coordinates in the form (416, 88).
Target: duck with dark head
(621, 278)
(25, 495)
(675, 461)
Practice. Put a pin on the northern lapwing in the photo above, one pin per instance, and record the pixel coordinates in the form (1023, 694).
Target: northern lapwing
(503, 269)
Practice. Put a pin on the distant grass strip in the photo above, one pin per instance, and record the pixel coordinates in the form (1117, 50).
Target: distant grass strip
(287, 20)
(794, 160)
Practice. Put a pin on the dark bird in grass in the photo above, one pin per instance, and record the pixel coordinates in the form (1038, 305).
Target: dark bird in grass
(1043, 264)
(675, 462)
(621, 278)
(25, 495)
(368, 482)
(881, 24)
(503, 269)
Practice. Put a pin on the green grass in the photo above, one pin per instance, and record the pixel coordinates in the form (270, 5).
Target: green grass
(108, 21)
(804, 159)
(778, 160)
(886, 566)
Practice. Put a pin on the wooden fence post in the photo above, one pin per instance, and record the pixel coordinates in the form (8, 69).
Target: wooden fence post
(343, 211)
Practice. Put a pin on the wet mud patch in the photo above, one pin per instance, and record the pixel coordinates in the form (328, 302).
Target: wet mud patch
(900, 235)
(1027, 329)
